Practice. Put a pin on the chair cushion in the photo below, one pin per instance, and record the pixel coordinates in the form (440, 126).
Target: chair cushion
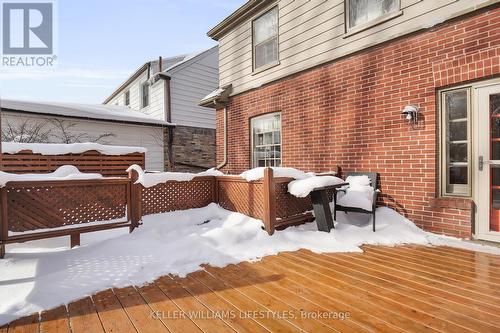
(357, 196)
(358, 180)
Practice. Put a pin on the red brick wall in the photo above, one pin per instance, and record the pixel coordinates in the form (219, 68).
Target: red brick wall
(347, 113)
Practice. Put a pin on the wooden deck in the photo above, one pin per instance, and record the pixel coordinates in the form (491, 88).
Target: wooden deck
(404, 289)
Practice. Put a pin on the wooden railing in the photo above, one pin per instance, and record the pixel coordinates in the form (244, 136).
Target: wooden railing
(43, 209)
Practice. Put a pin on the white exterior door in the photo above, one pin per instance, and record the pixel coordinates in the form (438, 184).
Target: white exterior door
(487, 168)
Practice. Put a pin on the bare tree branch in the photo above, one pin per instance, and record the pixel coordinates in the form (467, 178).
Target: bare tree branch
(26, 132)
(53, 130)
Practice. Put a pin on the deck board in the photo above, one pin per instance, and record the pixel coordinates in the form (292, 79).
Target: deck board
(163, 306)
(83, 317)
(55, 321)
(186, 302)
(138, 311)
(384, 289)
(112, 315)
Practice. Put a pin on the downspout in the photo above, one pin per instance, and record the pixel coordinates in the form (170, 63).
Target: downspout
(224, 161)
(168, 113)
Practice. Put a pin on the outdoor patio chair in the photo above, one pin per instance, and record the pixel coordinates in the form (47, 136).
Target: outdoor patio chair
(373, 176)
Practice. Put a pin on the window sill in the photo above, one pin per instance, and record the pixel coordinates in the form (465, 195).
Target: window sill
(368, 25)
(265, 67)
(460, 203)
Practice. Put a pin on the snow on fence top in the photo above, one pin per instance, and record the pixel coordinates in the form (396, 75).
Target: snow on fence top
(65, 172)
(151, 179)
(301, 187)
(73, 148)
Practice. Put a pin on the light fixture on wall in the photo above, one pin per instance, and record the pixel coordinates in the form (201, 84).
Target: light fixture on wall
(410, 112)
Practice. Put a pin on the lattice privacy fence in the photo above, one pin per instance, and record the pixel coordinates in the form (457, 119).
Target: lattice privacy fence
(174, 195)
(42, 209)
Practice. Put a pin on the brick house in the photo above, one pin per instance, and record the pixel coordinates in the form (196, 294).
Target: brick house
(169, 89)
(319, 84)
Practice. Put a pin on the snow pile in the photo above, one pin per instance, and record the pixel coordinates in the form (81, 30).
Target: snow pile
(302, 187)
(73, 148)
(152, 179)
(65, 172)
(278, 172)
(43, 274)
(303, 184)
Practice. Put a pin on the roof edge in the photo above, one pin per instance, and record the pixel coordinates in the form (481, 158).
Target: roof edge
(218, 98)
(121, 121)
(238, 16)
(122, 86)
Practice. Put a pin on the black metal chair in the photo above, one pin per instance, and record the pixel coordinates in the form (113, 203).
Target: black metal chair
(373, 176)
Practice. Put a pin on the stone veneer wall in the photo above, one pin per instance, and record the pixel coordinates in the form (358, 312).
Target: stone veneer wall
(193, 149)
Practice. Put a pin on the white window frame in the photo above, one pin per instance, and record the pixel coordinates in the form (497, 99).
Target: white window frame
(446, 189)
(252, 147)
(364, 26)
(125, 98)
(142, 94)
(254, 46)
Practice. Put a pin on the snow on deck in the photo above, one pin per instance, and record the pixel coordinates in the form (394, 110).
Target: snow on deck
(43, 274)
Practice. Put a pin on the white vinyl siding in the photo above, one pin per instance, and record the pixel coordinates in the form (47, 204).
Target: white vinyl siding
(188, 85)
(313, 33)
(149, 137)
(156, 97)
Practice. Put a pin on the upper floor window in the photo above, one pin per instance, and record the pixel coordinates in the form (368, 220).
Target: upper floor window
(455, 143)
(145, 94)
(361, 12)
(266, 140)
(265, 39)
(127, 98)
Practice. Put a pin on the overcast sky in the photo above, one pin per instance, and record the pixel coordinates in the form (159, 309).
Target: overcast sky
(101, 42)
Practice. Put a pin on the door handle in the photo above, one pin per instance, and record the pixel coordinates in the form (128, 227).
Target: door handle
(482, 162)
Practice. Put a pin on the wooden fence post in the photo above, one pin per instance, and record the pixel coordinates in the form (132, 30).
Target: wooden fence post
(4, 226)
(135, 200)
(269, 217)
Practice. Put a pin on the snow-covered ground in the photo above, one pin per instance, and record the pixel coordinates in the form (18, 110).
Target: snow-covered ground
(43, 274)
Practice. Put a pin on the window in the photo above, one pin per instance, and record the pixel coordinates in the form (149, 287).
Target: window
(364, 11)
(127, 98)
(266, 140)
(145, 94)
(456, 146)
(265, 39)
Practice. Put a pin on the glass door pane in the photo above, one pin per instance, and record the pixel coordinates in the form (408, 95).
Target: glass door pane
(495, 160)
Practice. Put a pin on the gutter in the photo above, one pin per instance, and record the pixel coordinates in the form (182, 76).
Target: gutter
(167, 102)
(217, 100)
